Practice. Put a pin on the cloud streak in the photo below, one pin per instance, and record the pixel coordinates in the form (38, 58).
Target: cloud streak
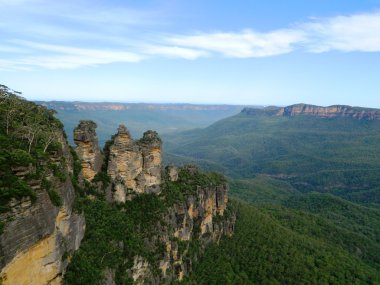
(175, 52)
(244, 44)
(60, 45)
(355, 33)
(64, 57)
(360, 32)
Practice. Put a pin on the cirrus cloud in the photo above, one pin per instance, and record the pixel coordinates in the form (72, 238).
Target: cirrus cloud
(61, 45)
(359, 32)
(243, 44)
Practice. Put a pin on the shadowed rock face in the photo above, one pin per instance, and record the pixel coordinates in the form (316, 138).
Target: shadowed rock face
(37, 235)
(134, 166)
(194, 218)
(88, 149)
(334, 111)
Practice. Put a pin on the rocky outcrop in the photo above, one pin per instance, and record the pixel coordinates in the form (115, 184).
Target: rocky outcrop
(202, 218)
(189, 206)
(88, 149)
(38, 236)
(134, 166)
(187, 221)
(334, 111)
(172, 172)
(141, 272)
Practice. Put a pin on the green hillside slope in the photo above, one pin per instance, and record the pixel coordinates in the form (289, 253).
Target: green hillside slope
(285, 246)
(337, 155)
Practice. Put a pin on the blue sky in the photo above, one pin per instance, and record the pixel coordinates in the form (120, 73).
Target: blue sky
(271, 52)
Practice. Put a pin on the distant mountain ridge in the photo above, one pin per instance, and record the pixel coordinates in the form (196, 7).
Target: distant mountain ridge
(331, 149)
(115, 106)
(139, 117)
(333, 111)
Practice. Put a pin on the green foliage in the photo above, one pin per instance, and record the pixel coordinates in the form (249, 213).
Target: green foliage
(311, 154)
(264, 251)
(189, 179)
(191, 175)
(341, 223)
(115, 233)
(13, 187)
(262, 190)
(107, 233)
(28, 133)
(57, 172)
(217, 219)
(102, 177)
(55, 198)
(21, 157)
(2, 225)
(55, 146)
(331, 240)
(77, 167)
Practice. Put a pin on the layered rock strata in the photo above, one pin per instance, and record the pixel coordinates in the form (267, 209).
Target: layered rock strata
(88, 149)
(38, 237)
(134, 166)
(335, 111)
(202, 218)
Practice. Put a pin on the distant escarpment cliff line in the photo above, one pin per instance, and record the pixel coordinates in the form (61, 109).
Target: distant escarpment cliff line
(117, 106)
(334, 111)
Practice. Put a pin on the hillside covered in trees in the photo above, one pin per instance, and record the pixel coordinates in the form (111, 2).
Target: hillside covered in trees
(285, 232)
(337, 154)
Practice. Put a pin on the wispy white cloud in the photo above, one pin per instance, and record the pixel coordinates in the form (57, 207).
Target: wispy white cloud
(6, 48)
(76, 60)
(103, 36)
(66, 57)
(243, 44)
(175, 52)
(360, 32)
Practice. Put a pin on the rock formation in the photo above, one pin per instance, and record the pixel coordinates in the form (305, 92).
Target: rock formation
(154, 238)
(201, 217)
(172, 172)
(334, 111)
(134, 166)
(38, 237)
(88, 149)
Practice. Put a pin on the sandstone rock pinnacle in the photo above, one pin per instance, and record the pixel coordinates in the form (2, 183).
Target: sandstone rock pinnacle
(88, 149)
(134, 166)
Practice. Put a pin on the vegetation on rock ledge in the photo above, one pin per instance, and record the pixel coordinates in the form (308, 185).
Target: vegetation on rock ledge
(28, 138)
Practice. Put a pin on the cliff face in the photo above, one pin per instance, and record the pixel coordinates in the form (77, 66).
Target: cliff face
(38, 236)
(173, 217)
(331, 111)
(200, 218)
(334, 111)
(88, 149)
(151, 239)
(134, 166)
